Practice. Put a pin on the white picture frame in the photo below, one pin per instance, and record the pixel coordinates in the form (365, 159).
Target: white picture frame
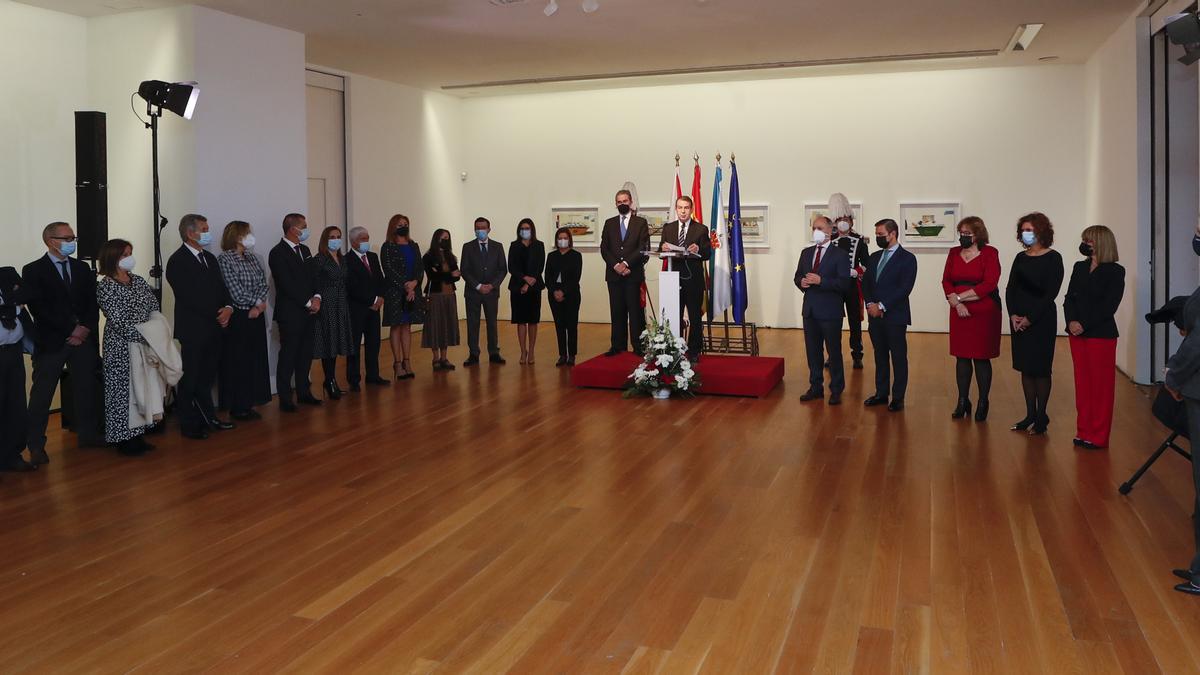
(755, 225)
(929, 224)
(583, 221)
(814, 209)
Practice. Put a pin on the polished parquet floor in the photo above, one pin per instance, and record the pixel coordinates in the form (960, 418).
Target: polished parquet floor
(496, 520)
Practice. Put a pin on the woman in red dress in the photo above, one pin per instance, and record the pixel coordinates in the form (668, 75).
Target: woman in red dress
(970, 282)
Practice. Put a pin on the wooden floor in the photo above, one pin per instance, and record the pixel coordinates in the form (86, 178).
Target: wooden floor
(495, 519)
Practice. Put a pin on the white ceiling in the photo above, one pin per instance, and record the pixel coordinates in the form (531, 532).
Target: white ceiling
(438, 43)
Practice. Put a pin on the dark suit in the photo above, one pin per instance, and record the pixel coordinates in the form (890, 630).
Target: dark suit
(625, 292)
(295, 285)
(691, 279)
(13, 413)
(363, 286)
(1183, 375)
(824, 307)
(479, 268)
(58, 307)
(890, 288)
(200, 294)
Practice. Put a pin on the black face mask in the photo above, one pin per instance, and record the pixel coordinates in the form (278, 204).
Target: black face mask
(445, 243)
(881, 242)
(402, 231)
(623, 209)
(965, 241)
(1086, 250)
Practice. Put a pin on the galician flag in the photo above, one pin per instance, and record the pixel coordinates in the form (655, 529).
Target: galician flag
(737, 256)
(721, 292)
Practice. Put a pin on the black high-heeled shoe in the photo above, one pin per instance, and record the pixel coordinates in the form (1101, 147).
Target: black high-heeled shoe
(1023, 425)
(408, 371)
(331, 390)
(1039, 428)
(963, 409)
(446, 365)
(981, 411)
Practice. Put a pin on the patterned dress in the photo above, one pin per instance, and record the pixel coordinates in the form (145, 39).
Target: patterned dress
(331, 330)
(401, 264)
(124, 307)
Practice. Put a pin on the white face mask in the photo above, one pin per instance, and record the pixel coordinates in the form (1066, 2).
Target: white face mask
(819, 236)
(248, 241)
(127, 263)
(843, 226)
(564, 243)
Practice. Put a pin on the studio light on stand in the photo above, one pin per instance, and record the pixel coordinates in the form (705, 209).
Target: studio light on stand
(179, 98)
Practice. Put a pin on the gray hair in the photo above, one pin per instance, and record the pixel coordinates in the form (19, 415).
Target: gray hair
(356, 232)
(48, 231)
(190, 223)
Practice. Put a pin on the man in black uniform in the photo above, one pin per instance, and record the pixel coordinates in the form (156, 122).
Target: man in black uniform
(855, 246)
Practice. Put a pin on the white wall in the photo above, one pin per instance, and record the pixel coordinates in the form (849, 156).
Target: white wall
(1117, 171)
(42, 58)
(1003, 141)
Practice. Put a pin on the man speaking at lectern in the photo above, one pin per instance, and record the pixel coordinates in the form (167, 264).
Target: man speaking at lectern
(686, 235)
(622, 242)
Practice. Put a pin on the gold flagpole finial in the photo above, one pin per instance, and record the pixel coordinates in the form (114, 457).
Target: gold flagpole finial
(677, 160)
(733, 156)
(718, 158)
(696, 156)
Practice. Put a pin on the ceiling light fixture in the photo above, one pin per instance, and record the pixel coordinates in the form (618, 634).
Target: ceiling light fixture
(551, 8)
(1023, 37)
(590, 6)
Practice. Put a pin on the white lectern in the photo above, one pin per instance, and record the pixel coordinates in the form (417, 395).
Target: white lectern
(668, 292)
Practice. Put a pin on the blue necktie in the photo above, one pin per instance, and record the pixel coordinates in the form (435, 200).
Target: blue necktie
(623, 228)
(883, 261)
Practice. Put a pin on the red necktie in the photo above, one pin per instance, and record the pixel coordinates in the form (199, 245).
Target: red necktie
(817, 259)
(366, 263)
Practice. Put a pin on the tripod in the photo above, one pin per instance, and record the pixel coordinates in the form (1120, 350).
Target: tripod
(1169, 443)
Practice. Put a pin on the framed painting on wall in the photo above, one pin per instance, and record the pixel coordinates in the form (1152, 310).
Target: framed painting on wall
(755, 224)
(929, 224)
(813, 210)
(582, 221)
(656, 216)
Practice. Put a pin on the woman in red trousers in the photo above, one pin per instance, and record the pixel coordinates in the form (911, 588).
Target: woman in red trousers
(970, 282)
(1093, 295)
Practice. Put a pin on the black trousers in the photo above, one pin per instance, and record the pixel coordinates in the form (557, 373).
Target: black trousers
(1193, 412)
(489, 304)
(821, 338)
(364, 337)
(201, 363)
(854, 314)
(82, 362)
(295, 357)
(890, 344)
(245, 372)
(14, 416)
(625, 312)
(566, 322)
(691, 300)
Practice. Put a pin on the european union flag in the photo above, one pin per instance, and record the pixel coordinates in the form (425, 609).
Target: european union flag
(737, 254)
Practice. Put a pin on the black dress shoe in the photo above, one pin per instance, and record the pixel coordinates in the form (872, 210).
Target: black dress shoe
(875, 400)
(811, 395)
(835, 399)
(378, 381)
(248, 415)
(1022, 425)
(963, 409)
(613, 352)
(562, 361)
(471, 361)
(1186, 575)
(1189, 588)
(497, 359)
(1087, 445)
(858, 364)
(194, 434)
(896, 406)
(287, 406)
(220, 425)
(570, 360)
(38, 457)
(18, 465)
(981, 410)
(309, 400)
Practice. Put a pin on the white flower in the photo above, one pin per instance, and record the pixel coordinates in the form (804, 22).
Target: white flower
(685, 364)
(687, 373)
(682, 385)
(680, 344)
(652, 373)
(664, 360)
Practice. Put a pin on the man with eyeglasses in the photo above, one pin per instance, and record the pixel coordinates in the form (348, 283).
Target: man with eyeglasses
(61, 295)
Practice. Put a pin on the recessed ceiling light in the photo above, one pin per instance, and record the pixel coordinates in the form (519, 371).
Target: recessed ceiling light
(590, 6)
(1023, 37)
(551, 8)
(506, 3)
(1048, 58)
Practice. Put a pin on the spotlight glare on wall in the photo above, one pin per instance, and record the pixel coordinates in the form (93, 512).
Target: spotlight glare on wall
(590, 6)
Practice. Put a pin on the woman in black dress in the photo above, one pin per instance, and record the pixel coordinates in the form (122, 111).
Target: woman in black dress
(564, 267)
(441, 321)
(331, 330)
(1033, 285)
(402, 301)
(526, 260)
(1093, 296)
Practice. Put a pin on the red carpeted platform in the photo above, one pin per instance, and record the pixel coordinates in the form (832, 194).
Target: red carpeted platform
(722, 375)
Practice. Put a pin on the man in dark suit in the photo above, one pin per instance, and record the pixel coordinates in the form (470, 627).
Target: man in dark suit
(364, 290)
(202, 311)
(822, 275)
(483, 267)
(888, 281)
(1182, 380)
(296, 305)
(692, 237)
(60, 293)
(623, 243)
(17, 336)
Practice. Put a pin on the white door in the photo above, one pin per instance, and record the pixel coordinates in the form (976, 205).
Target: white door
(326, 152)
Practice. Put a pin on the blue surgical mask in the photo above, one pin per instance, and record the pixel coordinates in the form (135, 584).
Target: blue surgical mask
(304, 235)
(481, 235)
(334, 244)
(364, 246)
(205, 238)
(67, 248)
(1028, 238)
(525, 234)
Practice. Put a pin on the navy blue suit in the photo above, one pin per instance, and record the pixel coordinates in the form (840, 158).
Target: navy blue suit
(823, 311)
(890, 287)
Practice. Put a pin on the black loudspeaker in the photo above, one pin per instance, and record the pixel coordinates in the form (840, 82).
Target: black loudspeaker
(91, 183)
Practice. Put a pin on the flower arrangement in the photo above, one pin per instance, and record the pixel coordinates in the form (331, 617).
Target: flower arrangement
(664, 369)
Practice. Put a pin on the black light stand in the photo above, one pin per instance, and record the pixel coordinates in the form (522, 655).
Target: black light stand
(154, 112)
